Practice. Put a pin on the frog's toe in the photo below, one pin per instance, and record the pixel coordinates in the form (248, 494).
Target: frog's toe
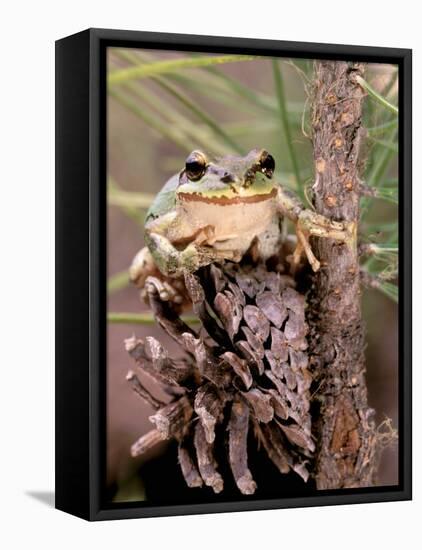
(153, 286)
(169, 293)
(166, 291)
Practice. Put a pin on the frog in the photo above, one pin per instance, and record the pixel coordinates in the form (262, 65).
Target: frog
(213, 210)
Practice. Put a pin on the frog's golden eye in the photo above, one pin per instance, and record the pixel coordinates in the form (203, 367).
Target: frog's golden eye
(267, 164)
(195, 166)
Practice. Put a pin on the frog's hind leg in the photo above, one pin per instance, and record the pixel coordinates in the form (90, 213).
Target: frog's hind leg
(142, 267)
(147, 277)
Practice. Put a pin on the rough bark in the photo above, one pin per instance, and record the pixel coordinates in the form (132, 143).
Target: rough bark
(343, 429)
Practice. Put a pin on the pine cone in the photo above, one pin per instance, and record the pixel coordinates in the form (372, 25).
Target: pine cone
(246, 367)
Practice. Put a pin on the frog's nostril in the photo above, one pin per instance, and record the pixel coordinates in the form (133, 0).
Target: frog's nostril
(227, 178)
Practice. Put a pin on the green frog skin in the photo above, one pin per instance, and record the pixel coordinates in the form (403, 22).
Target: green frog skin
(213, 210)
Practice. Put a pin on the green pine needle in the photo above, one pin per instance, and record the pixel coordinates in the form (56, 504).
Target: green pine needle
(118, 281)
(172, 66)
(284, 121)
(376, 96)
(141, 318)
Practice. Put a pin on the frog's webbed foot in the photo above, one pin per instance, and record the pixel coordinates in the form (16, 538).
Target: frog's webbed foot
(308, 224)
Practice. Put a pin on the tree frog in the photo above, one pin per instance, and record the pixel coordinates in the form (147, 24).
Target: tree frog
(213, 210)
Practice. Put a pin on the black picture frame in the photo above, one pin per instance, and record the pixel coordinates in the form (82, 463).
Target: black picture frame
(81, 267)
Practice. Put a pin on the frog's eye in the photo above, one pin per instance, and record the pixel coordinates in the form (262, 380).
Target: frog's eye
(267, 164)
(195, 166)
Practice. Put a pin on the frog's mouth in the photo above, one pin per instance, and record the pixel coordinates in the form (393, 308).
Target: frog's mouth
(236, 199)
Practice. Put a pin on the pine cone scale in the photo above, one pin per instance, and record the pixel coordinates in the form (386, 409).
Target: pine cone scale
(248, 365)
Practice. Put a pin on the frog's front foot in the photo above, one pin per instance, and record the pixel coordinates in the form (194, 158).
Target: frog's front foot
(308, 224)
(194, 256)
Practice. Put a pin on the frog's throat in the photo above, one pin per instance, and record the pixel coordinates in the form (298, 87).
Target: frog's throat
(196, 197)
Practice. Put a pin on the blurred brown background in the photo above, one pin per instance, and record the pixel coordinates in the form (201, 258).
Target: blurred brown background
(141, 159)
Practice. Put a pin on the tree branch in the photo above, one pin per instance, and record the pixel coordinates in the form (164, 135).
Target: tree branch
(343, 428)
